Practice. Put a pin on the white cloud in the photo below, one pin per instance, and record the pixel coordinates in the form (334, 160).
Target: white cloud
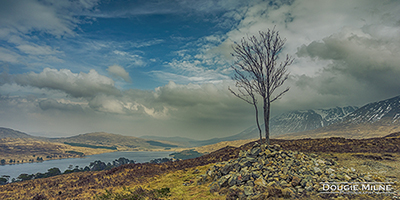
(132, 59)
(76, 85)
(361, 64)
(53, 17)
(49, 104)
(9, 56)
(34, 49)
(118, 71)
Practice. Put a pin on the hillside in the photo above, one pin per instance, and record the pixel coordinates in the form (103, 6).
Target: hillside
(379, 156)
(291, 122)
(120, 142)
(298, 121)
(18, 147)
(23, 150)
(375, 119)
(10, 133)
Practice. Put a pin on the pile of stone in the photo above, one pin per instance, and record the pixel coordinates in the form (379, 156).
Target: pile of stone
(262, 172)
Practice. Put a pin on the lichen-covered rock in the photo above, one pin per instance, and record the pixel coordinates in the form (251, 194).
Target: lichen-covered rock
(262, 172)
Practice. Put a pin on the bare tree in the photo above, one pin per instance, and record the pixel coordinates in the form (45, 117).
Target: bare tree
(257, 71)
(246, 93)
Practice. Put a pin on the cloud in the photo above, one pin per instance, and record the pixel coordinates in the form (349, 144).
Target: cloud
(76, 85)
(149, 7)
(118, 71)
(361, 63)
(111, 104)
(53, 17)
(33, 49)
(132, 59)
(52, 104)
(9, 56)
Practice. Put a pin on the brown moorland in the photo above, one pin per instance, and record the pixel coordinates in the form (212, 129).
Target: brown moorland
(86, 185)
(23, 150)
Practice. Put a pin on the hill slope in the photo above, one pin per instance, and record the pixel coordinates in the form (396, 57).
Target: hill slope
(180, 176)
(121, 142)
(372, 120)
(10, 133)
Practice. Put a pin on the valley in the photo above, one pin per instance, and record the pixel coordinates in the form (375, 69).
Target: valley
(26, 150)
(17, 147)
(378, 156)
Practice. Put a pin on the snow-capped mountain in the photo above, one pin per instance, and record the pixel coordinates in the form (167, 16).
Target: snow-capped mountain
(297, 121)
(301, 120)
(375, 119)
(386, 111)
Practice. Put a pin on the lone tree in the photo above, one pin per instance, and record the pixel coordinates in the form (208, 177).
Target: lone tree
(257, 71)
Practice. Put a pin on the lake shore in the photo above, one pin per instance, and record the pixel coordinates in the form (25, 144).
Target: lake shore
(20, 151)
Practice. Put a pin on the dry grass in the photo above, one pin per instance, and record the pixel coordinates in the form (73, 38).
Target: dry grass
(25, 149)
(182, 184)
(220, 145)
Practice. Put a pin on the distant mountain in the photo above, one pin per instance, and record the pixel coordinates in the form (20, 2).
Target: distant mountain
(98, 140)
(386, 111)
(10, 133)
(121, 142)
(375, 119)
(244, 135)
(298, 121)
(183, 141)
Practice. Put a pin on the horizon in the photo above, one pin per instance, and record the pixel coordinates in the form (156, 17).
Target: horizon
(163, 68)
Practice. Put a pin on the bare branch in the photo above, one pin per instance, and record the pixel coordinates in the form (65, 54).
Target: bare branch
(257, 70)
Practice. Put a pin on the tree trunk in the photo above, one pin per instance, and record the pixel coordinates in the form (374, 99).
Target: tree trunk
(258, 123)
(266, 119)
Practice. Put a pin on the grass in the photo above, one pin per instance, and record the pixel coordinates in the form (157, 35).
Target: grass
(90, 146)
(181, 183)
(124, 181)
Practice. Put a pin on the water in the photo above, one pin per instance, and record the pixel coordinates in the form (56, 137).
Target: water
(32, 168)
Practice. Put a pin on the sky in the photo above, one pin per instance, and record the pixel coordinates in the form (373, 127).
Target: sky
(154, 67)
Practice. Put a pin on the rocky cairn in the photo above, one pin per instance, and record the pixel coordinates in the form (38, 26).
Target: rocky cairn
(261, 172)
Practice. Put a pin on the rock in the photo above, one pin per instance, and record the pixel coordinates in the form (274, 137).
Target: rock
(260, 173)
(223, 181)
(317, 171)
(267, 151)
(339, 176)
(223, 191)
(245, 163)
(309, 188)
(214, 187)
(295, 181)
(288, 193)
(260, 196)
(242, 154)
(329, 171)
(261, 182)
(272, 183)
(274, 191)
(255, 152)
(248, 190)
(285, 170)
(226, 169)
(276, 146)
(368, 178)
(347, 177)
(245, 177)
(305, 180)
(233, 180)
(284, 184)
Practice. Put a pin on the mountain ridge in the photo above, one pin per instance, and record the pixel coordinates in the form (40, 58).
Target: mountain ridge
(11, 133)
(374, 119)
